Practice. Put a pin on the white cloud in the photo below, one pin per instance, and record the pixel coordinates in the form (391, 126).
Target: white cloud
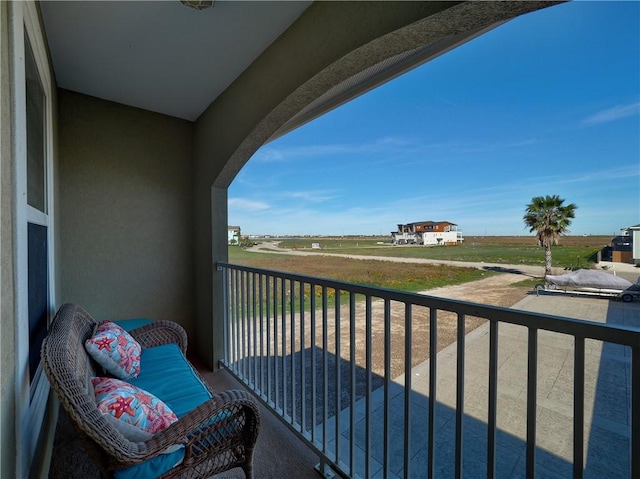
(319, 196)
(612, 114)
(388, 146)
(242, 204)
(286, 153)
(268, 154)
(488, 210)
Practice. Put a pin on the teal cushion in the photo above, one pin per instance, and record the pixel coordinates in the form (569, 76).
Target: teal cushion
(152, 468)
(130, 324)
(166, 373)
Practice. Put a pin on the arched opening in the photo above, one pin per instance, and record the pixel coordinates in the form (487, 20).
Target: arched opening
(573, 104)
(306, 72)
(469, 137)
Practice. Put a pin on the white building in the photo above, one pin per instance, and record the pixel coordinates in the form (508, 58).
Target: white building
(428, 233)
(233, 234)
(635, 242)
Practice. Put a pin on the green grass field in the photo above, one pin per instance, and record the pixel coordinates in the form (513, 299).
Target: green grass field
(572, 251)
(382, 274)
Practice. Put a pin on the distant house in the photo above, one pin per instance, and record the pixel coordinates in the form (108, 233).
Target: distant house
(233, 234)
(634, 232)
(428, 233)
(625, 248)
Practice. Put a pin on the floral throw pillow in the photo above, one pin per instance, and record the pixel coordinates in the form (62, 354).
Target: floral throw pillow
(136, 413)
(115, 350)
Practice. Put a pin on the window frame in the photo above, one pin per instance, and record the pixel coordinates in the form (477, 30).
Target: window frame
(32, 394)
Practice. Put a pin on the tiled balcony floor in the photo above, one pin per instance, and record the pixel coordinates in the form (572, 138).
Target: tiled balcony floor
(607, 396)
(279, 453)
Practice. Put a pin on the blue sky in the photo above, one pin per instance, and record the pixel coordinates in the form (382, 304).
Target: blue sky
(546, 104)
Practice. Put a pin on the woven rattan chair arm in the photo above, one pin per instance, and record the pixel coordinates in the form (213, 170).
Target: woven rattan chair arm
(160, 332)
(230, 417)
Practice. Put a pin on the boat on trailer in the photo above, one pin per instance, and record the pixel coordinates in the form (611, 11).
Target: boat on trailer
(591, 282)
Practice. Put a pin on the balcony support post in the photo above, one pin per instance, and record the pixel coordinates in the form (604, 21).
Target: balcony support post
(210, 335)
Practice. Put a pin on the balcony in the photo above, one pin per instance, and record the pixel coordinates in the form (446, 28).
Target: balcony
(518, 393)
(346, 380)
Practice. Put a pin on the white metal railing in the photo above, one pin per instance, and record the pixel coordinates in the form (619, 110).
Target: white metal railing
(338, 362)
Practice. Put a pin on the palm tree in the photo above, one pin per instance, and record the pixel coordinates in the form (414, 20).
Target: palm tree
(549, 218)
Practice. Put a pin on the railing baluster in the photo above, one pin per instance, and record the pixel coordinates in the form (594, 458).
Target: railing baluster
(387, 382)
(254, 361)
(578, 409)
(250, 331)
(231, 319)
(244, 352)
(225, 298)
(493, 400)
(283, 331)
(337, 380)
(313, 380)
(268, 284)
(433, 363)
(236, 326)
(352, 404)
(367, 437)
(408, 375)
(532, 389)
(303, 367)
(325, 367)
(243, 329)
(460, 395)
(292, 330)
(262, 353)
(276, 349)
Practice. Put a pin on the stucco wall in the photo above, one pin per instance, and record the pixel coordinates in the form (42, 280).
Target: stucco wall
(126, 233)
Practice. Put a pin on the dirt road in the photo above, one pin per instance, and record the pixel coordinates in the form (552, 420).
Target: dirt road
(272, 247)
(496, 290)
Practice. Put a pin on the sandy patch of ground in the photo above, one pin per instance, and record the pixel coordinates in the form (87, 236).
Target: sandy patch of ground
(342, 345)
(497, 291)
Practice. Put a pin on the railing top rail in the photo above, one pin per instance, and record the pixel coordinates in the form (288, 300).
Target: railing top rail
(619, 334)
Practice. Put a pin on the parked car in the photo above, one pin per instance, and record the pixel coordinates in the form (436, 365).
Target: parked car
(631, 293)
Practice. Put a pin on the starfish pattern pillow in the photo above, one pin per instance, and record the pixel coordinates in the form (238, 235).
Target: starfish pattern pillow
(136, 413)
(115, 350)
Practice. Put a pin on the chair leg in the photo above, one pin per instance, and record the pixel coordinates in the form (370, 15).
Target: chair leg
(248, 464)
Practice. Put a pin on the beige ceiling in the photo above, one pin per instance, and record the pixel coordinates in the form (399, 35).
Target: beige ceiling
(160, 55)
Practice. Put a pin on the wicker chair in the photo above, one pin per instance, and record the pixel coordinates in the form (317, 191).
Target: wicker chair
(210, 446)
